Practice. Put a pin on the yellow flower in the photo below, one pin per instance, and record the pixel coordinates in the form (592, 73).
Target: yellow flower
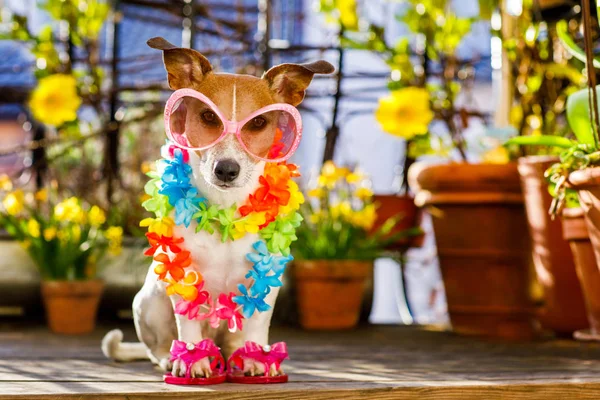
(70, 211)
(33, 227)
(316, 193)
(330, 174)
(248, 224)
(114, 235)
(365, 218)
(62, 236)
(499, 155)
(354, 177)
(296, 198)
(41, 195)
(76, 233)
(5, 183)
(342, 12)
(96, 216)
(55, 101)
(363, 193)
(343, 209)
(186, 288)
(14, 202)
(347, 10)
(316, 217)
(50, 233)
(161, 225)
(405, 112)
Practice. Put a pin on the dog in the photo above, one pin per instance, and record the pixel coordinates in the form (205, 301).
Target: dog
(224, 174)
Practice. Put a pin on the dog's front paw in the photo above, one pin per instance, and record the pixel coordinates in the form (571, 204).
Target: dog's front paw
(257, 368)
(199, 369)
(165, 364)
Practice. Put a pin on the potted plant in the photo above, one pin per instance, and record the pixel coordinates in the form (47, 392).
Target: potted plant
(576, 232)
(66, 240)
(425, 80)
(336, 249)
(576, 172)
(563, 311)
(537, 110)
(566, 203)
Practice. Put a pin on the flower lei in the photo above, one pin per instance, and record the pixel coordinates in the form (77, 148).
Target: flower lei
(271, 211)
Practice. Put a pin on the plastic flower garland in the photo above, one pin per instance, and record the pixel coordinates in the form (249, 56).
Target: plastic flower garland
(270, 212)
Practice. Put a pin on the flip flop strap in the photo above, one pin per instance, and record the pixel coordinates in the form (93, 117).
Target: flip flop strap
(267, 355)
(190, 353)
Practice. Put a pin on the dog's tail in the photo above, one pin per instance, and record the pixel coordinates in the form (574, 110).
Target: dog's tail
(114, 348)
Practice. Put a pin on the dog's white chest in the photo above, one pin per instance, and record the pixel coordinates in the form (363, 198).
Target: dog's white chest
(222, 265)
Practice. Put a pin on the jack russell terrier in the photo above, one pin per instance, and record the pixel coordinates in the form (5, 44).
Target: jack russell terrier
(224, 173)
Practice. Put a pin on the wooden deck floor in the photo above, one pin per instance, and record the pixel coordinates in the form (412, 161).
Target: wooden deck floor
(378, 363)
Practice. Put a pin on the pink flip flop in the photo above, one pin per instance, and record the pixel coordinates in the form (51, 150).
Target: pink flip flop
(189, 353)
(268, 355)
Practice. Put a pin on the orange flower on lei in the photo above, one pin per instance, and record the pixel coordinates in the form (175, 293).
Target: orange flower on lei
(174, 267)
(274, 191)
(163, 242)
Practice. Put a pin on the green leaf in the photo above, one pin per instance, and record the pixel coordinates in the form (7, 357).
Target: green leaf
(541, 140)
(576, 51)
(578, 115)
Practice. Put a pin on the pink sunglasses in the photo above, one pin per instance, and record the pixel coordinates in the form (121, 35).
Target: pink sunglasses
(270, 134)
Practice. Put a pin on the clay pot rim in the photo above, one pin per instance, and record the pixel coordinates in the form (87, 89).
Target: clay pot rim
(403, 196)
(317, 261)
(463, 183)
(420, 165)
(332, 269)
(56, 282)
(72, 288)
(584, 178)
(434, 176)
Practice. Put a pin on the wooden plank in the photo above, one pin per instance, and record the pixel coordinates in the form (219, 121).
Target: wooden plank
(379, 362)
(314, 391)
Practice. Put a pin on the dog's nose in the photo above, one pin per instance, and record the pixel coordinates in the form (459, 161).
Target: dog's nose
(227, 170)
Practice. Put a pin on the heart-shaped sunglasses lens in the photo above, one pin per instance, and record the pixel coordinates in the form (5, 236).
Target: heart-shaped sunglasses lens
(193, 124)
(270, 135)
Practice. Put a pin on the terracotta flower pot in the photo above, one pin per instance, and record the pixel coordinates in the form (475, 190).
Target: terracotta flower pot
(71, 306)
(576, 232)
(392, 205)
(587, 184)
(564, 309)
(330, 292)
(480, 229)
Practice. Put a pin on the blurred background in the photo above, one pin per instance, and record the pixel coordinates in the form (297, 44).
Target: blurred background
(490, 71)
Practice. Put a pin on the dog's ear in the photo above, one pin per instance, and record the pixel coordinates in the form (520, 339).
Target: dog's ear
(288, 82)
(184, 66)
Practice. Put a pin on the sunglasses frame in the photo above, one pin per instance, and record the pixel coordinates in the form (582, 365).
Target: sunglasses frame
(231, 126)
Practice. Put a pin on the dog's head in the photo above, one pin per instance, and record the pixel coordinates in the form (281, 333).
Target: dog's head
(226, 167)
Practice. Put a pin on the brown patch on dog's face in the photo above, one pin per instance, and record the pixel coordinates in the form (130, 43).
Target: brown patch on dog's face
(237, 97)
